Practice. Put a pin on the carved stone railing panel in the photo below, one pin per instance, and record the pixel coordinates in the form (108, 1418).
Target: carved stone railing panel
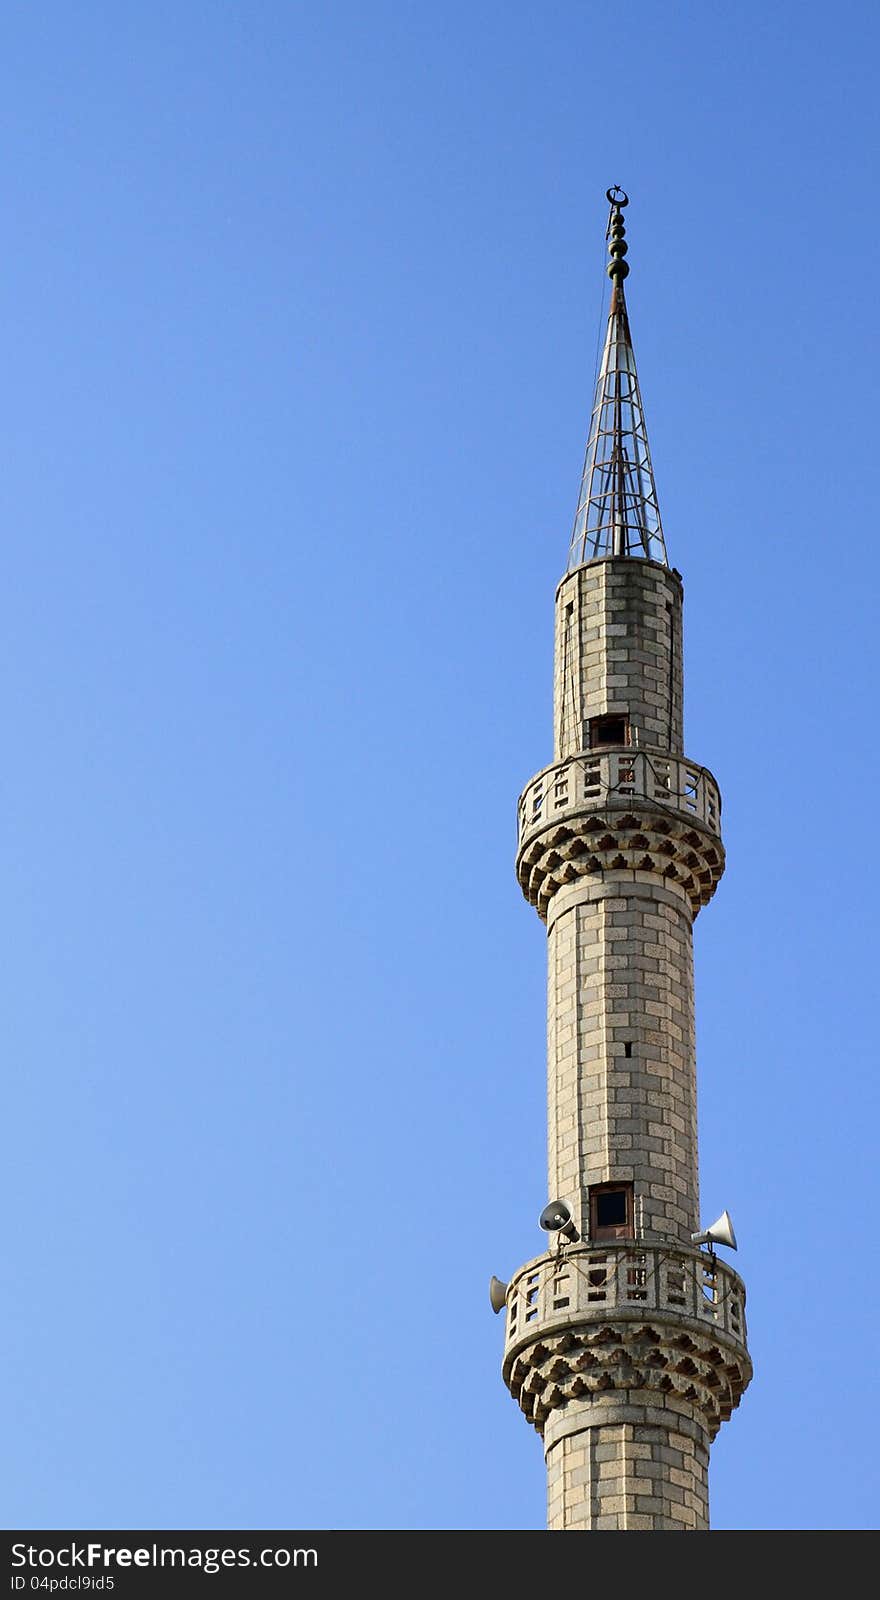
(602, 1280)
(588, 780)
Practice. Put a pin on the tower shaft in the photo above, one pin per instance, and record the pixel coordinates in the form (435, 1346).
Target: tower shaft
(622, 1091)
(625, 1345)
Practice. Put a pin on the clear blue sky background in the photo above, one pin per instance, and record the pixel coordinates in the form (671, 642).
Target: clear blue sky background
(298, 323)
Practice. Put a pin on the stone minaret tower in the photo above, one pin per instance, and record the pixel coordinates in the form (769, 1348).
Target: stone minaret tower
(625, 1344)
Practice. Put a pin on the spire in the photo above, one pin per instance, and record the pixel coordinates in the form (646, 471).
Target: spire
(617, 512)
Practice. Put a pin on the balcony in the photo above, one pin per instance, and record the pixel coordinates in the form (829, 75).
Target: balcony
(618, 778)
(620, 1282)
(631, 1324)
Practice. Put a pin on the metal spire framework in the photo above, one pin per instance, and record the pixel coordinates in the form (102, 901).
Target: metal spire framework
(618, 513)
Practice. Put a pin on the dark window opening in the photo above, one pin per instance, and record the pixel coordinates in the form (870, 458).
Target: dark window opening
(608, 731)
(628, 1049)
(611, 1208)
(611, 1211)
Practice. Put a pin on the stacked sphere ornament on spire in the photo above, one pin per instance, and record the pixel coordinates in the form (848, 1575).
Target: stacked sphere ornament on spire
(617, 248)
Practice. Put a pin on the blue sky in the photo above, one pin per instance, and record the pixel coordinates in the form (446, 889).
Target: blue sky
(299, 317)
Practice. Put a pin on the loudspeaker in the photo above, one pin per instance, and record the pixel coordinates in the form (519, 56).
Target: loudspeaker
(497, 1294)
(720, 1232)
(556, 1218)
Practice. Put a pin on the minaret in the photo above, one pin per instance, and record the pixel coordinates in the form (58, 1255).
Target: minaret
(625, 1343)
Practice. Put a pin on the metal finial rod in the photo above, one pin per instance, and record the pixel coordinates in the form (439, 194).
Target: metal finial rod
(615, 233)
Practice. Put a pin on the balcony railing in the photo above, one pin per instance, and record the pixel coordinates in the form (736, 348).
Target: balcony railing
(600, 776)
(592, 1283)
